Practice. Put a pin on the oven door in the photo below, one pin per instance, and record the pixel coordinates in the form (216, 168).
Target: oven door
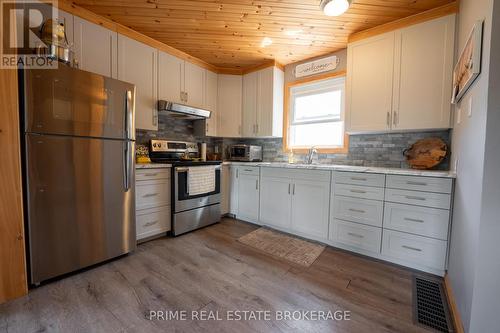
(183, 201)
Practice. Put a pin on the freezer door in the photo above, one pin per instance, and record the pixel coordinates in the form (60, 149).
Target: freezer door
(70, 101)
(81, 202)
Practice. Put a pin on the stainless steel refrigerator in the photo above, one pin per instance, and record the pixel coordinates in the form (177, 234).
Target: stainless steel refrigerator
(79, 169)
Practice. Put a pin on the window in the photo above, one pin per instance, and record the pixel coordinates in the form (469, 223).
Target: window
(316, 115)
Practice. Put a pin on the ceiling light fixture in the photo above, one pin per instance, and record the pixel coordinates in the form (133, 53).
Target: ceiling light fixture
(266, 41)
(334, 7)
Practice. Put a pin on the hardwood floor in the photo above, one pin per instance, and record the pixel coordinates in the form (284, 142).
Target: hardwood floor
(209, 270)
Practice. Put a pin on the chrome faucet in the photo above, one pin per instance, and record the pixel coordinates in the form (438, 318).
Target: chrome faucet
(312, 151)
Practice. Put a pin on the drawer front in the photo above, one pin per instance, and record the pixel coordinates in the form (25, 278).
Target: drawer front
(359, 178)
(151, 222)
(416, 249)
(359, 210)
(417, 183)
(424, 221)
(150, 195)
(357, 235)
(152, 174)
(363, 192)
(249, 170)
(275, 172)
(427, 199)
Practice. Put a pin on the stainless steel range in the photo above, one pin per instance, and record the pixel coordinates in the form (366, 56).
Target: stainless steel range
(192, 208)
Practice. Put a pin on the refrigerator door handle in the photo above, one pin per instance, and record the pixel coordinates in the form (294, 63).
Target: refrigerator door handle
(126, 165)
(128, 115)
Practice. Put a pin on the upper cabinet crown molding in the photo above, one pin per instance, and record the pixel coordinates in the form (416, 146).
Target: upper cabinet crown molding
(401, 80)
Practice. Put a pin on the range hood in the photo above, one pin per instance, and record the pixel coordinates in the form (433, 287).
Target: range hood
(180, 111)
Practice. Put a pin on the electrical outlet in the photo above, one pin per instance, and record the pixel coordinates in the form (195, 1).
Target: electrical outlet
(469, 111)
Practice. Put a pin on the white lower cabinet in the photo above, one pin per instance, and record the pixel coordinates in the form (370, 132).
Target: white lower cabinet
(248, 194)
(296, 201)
(233, 191)
(356, 235)
(310, 207)
(225, 190)
(152, 202)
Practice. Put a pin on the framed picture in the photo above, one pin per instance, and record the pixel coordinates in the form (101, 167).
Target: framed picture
(468, 66)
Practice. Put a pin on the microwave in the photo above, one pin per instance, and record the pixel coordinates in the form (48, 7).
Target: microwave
(245, 153)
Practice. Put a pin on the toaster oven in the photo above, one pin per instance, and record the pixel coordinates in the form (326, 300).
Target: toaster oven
(245, 153)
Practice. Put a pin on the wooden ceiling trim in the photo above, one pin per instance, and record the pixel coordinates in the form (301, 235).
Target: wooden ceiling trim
(448, 9)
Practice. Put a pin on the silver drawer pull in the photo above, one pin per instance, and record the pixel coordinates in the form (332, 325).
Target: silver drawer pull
(416, 183)
(358, 191)
(150, 195)
(359, 178)
(411, 248)
(357, 210)
(248, 170)
(411, 197)
(355, 235)
(413, 220)
(150, 174)
(149, 224)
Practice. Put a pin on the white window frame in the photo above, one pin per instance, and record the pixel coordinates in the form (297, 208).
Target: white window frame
(310, 88)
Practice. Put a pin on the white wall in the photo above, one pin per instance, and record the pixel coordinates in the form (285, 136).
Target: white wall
(468, 147)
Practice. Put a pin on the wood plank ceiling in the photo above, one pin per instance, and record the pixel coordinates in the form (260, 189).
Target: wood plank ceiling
(229, 33)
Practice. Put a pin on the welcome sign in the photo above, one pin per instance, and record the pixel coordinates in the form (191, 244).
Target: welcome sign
(316, 66)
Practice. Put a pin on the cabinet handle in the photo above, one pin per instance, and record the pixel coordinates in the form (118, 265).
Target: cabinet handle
(256, 184)
(395, 118)
(411, 248)
(187, 96)
(206, 127)
(149, 195)
(388, 120)
(237, 173)
(358, 191)
(413, 220)
(357, 210)
(293, 190)
(411, 197)
(248, 170)
(416, 183)
(150, 174)
(355, 235)
(256, 128)
(359, 178)
(289, 185)
(149, 224)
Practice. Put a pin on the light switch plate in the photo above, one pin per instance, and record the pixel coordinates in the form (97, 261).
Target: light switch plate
(469, 110)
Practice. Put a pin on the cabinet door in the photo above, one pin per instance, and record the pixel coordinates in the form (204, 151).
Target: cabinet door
(95, 48)
(229, 105)
(233, 190)
(310, 207)
(249, 108)
(369, 84)
(248, 197)
(170, 77)
(265, 102)
(137, 64)
(194, 84)
(211, 103)
(275, 201)
(423, 75)
(225, 189)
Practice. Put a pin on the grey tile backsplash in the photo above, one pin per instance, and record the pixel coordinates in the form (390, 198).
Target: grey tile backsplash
(384, 150)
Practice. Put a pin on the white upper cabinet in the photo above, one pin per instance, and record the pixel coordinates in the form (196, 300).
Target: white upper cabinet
(210, 103)
(369, 84)
(249, 108)
(423, 75)
(263, 103)
(194, 84)
(137, 64)
(229, 105)
(95, 48)
(170, 78)
(180, 81)
(401, 80)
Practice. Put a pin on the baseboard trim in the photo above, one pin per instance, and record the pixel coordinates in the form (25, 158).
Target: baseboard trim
(455, 315)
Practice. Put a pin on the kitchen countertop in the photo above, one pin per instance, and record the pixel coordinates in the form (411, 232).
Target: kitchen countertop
(152, 165)
(352, 168)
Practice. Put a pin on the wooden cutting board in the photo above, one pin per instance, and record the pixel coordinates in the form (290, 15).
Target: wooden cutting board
(426, 153)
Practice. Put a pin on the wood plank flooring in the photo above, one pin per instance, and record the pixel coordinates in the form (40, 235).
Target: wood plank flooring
(209, 270)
